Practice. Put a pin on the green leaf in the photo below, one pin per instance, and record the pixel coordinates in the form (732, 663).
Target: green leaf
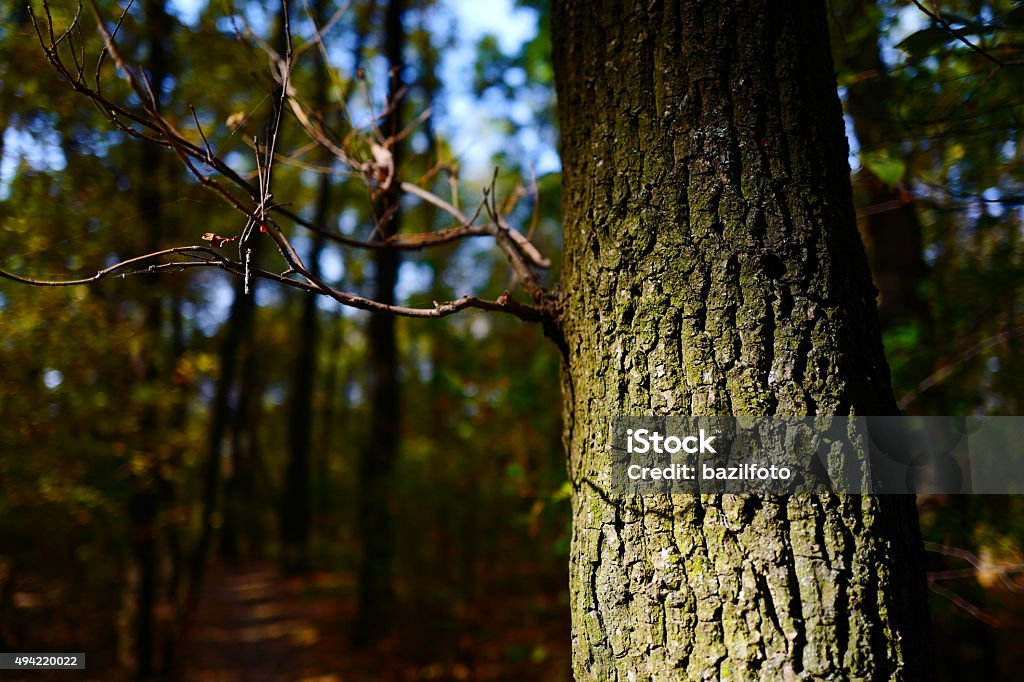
(922, 43)
(564, 492)
(888, 169)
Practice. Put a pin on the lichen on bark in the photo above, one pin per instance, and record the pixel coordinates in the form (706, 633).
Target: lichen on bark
(712, 266)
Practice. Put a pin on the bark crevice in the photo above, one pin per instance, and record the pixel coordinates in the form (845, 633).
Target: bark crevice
(712, 266)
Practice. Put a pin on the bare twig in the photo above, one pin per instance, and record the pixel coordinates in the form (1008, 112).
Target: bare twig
(256, 204)
(963, 604)
(208, 257)
(206, 143)
(113, 269)
(321, 31)
(937, 16)
(950, 368)
(1002, 571)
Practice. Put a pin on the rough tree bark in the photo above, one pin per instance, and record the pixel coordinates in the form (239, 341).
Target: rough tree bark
(712, 266)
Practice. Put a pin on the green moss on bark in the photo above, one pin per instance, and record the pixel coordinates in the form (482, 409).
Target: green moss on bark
(712, 266)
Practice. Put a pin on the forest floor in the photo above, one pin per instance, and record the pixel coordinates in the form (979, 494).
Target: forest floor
(253, 625)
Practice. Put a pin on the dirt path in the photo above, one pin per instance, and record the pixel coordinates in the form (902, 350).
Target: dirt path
(255, 626)
(251, 628)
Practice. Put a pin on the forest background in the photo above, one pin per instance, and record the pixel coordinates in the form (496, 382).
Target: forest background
(163, 434)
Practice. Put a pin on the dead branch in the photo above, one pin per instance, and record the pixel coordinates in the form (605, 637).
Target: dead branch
(255, 201)
(207, 257)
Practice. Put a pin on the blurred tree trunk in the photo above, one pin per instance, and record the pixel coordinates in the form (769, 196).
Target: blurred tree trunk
(7, 583)
(242, 531)
(888, 215)
(376, 588)
(334, 415)
(229, 411)
(242, 535)
(177, 423)
(712, 265)
(239, 331)
(295, 504)
(145, 501)
(334, 410)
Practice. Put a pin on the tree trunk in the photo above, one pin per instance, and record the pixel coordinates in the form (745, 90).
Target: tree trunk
(376, 589)
(890, 222)
(225, 407)
(241, 534)
(144, 505)
(712, 266)
(889, 219)
(239, 332)
(295, 503)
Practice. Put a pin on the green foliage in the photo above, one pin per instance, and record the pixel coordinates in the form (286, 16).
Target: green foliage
(103, 400)
(935, 103)
(99, 403)
(889, 170)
